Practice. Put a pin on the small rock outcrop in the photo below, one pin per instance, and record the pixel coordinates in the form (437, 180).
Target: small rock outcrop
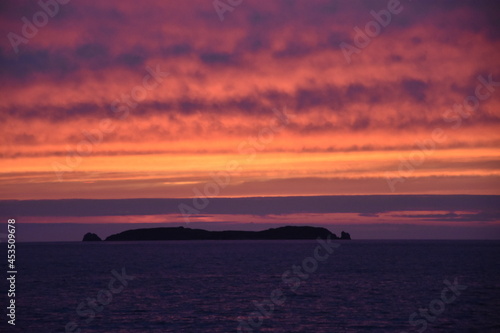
(345, 235)
(90, 237)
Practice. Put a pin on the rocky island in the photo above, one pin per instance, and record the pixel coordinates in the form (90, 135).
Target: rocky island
(181, 233)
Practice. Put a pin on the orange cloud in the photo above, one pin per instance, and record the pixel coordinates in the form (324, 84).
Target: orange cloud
(62, 94)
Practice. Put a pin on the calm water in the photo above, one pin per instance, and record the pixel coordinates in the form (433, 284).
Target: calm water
(206, 286)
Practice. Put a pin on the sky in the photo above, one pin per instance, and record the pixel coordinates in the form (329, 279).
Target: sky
(216, 104)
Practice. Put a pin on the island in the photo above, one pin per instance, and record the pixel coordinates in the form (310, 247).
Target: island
(182, 233)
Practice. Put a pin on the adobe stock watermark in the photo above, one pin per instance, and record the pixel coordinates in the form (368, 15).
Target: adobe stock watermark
(372, 29)
(223, 6)
(470, 104)
(292, 279)
(121, 108)
(437, 306)
(222, 178)
(87, 309)
(29, 29)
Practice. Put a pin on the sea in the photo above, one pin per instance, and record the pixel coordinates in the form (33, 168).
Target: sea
(255, 286)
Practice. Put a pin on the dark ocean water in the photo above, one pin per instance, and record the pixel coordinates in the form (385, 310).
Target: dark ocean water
(207, 286)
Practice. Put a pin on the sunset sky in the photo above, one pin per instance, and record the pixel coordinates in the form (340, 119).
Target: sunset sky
(187, 99)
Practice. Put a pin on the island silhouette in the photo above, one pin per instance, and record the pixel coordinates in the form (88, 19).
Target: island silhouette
(181, 233)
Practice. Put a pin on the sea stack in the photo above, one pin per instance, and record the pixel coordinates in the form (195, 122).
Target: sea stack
(90, 237)
(345, 235)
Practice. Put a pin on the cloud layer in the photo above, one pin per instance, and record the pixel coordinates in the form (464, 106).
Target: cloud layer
(89, 94)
